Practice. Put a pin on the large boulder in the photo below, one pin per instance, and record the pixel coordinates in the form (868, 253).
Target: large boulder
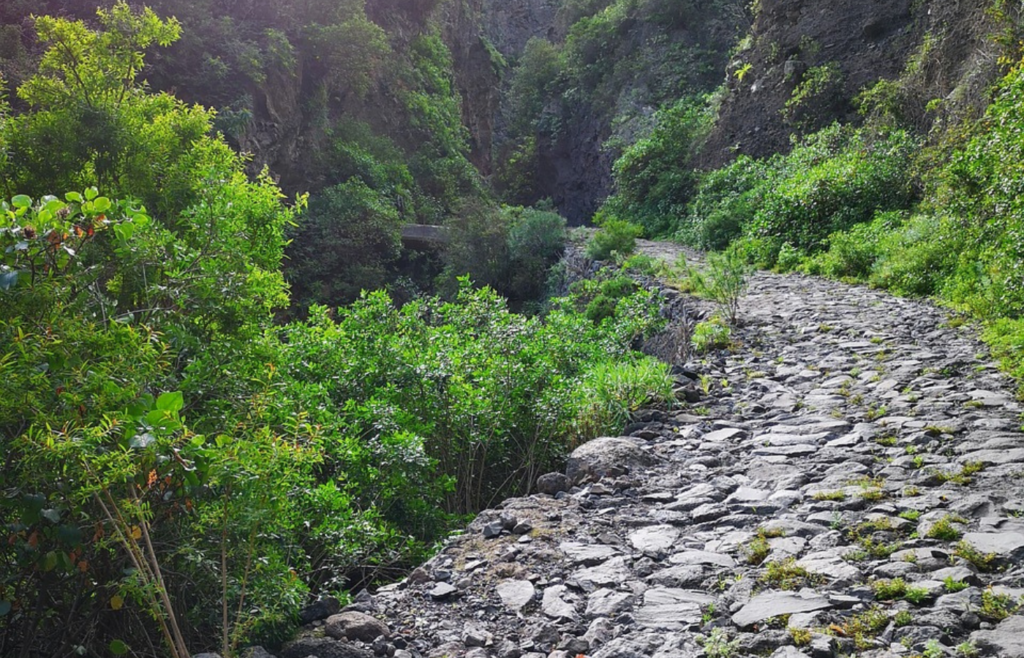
(607, 457)
(323, 647)
(354, 625)
(1006, 640)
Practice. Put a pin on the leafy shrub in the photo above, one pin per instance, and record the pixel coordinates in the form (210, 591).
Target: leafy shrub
(510, 249)
(854, 253)
(615, 236)
(819, 93)
(850, 177)
(723, 280)
(605, 302)
(536, 240)
(609, 394)
(343, 245)
(725, 203)
(653, 176)
(711, 335)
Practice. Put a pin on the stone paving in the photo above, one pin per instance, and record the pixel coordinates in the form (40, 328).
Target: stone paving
(848, 479)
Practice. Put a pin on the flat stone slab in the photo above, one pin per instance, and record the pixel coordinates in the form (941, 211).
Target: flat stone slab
(703, 557)
(655, 539)
(588, 554)
(613, 572)
(1006, 640)
(555, 605)
(787, 451)
(727, 434)
(515, 594)
(994, 457)
(1004, 544)
(670, 609)
(772, 604)
(608, 602)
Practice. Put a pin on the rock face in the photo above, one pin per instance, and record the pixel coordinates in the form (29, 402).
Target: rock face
(825, 480)
(867, 41)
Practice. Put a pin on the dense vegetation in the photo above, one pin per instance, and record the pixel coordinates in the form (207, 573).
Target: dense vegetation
(217, 401)
(619, 59)
(181, 469)
(932, 213)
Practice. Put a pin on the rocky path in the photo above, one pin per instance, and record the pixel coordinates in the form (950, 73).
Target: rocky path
(850, 482)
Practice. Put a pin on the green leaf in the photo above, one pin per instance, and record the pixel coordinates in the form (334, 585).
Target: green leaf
(91, 193)
(171, 401)
(138, 409)
(73, 197)
(118, 648)
(50, 561)
(102, 204)
(5, 607)
(21, 201)
(51, 515)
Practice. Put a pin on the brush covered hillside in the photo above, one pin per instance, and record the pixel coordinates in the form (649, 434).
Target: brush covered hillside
(226, 386)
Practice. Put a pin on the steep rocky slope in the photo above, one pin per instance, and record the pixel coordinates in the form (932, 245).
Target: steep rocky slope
(849, 483)
(941, 50)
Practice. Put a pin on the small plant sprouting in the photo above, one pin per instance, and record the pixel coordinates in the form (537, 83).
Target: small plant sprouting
(723, 280)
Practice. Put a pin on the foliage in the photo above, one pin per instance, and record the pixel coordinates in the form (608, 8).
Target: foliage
(835, 179)
(723, 280)
(819, 93)
(509, 249)
(615, 236)
(348, 237)
(609, 394)
(606, 297)
(711, 335)
(725, 202)
(653, 177)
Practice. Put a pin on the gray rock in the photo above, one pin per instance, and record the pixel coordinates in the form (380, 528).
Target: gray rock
(321, 609)
(515, 594)
(1006, 545)
(607, 457)
(553, 483)
(257, 652)
(607, 602)
(671, 609)
(556, 603)
(588, 554)
(654, 540)
(774, 604)
(355, 626)
(442, 591)
(612, 572)
(323, 647)
(703, 557)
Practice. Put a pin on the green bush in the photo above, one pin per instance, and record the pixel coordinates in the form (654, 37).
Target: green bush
(654, 176)
(610, 394)
(723, 280)
(608, 294)
(856, 176)
(615, 236)
(725, 203)
(343, 245)
(711, 335)
(853, 254)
